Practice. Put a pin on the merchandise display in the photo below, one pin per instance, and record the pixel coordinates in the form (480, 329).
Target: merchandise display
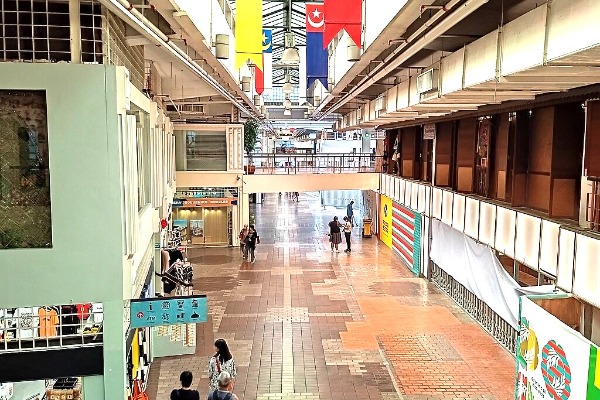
(176, 270)
(65, 388)
(45, 325)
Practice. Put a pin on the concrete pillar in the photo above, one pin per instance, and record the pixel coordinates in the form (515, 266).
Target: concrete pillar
(114, 351)
(366, 141)
(75, 31)
(93, 387)
(245, 208)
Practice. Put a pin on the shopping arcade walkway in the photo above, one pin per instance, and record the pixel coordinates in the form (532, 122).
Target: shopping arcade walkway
(304, 323)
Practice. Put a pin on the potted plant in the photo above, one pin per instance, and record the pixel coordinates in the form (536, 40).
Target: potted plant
(251, 130)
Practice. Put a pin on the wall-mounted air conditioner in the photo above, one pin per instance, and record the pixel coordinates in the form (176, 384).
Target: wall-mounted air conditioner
(428, 81)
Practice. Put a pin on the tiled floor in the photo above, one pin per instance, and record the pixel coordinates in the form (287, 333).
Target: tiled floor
(306, 323)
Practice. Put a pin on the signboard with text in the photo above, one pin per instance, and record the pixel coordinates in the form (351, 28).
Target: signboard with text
(224, 202)
(168, 311)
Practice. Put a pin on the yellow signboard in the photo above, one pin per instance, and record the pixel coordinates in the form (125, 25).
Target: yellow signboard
(385, 220)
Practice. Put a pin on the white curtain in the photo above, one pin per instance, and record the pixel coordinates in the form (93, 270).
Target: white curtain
(476, 267)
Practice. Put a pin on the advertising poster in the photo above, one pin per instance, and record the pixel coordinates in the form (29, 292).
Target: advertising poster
(406, 236)
(385, 221)
(554, 362)
(197, 227)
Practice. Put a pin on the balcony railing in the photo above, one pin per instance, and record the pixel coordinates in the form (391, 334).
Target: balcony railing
(44, 327)
(501, 330)
(321, 163)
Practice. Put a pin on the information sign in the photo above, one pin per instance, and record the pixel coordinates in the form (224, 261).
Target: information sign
(168, 311)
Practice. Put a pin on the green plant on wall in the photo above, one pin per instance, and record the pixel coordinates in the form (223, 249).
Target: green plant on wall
(251, 130)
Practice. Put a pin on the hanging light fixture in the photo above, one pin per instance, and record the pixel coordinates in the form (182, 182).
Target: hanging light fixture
(291, 55)
(287, 103)
(287, 112)
(287, 86)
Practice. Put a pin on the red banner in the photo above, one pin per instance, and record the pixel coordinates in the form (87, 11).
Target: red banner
(343, 14)
(315, 17)
(259, 77)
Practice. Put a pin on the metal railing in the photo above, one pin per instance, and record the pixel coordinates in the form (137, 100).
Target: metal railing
(501, 330)
(321, 163)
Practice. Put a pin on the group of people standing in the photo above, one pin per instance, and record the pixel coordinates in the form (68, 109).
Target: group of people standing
(248, 240)
(221, 375)
(335, 229)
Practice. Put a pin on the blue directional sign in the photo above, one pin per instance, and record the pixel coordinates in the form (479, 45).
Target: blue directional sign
(168, 311)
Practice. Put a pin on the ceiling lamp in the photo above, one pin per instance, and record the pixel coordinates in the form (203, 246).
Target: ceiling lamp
(287, 86)
(287, 112)
(291, 55)
(287, 103)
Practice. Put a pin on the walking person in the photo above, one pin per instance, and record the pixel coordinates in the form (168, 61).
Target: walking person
(252, 240)
(221, 361)
(185, 393)
(335, 237)
(243, 235)
(347, 232)
(350, 212)
(225, 390)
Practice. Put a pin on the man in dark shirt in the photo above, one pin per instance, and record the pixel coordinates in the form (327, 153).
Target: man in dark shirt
(350, 212)
(185, 393)
(251, 241)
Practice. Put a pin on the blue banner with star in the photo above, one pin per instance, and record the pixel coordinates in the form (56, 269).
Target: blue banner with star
(267, 41)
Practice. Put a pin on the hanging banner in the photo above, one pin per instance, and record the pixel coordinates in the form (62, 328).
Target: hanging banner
(554, 362)
(267, 41)
(385, 220)
(406, 236)
(168, 311)
(248, 32)
(343, 14)
(316, 53)
(259, 78)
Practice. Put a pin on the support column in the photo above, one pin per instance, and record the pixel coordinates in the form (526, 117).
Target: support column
(114, 350)
(75, 31)
(93, 387)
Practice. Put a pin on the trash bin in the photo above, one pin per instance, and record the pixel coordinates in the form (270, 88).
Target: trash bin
(367, 222)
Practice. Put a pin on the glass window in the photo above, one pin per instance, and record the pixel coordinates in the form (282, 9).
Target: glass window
(25, 220)
(201, 151)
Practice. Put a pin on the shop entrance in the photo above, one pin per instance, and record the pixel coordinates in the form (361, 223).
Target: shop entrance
(205, 225)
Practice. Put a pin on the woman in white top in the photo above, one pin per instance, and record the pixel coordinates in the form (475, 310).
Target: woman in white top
(221, 361)
(347, 232)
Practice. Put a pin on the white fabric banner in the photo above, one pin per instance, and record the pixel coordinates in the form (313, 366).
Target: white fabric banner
(476, 267)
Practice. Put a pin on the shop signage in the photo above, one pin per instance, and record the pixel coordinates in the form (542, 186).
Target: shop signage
(554, 362)
(223, 202)
(168, 311)
(429, 131)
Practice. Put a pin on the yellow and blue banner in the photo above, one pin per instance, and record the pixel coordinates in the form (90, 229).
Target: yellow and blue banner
(248, 33)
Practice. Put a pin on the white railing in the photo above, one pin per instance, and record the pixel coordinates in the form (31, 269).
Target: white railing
(554, 249)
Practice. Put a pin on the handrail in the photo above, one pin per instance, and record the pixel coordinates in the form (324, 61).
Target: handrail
(293, 163)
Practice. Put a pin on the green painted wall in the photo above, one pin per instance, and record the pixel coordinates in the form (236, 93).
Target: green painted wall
(85, 263)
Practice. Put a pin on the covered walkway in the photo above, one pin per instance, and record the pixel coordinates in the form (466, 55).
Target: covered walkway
(306, 323)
